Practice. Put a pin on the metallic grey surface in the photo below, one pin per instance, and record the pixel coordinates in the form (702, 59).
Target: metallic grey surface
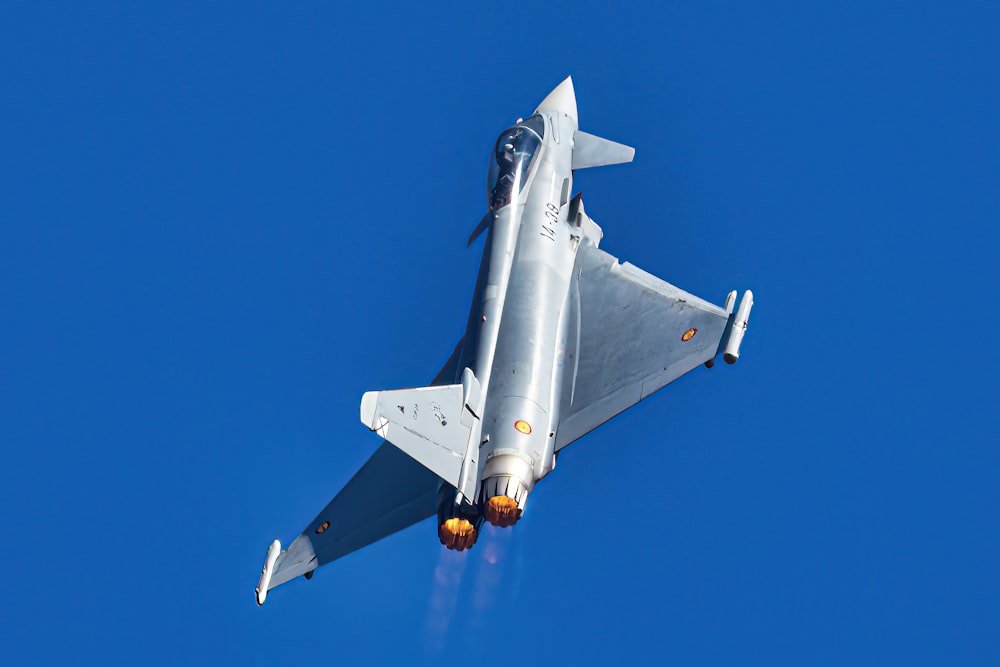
(560, 338)
(630, 340)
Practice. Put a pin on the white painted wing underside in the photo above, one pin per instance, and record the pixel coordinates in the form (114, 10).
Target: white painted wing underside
(628, 328)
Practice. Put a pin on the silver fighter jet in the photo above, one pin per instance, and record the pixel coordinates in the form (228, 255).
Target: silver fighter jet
(561, 337)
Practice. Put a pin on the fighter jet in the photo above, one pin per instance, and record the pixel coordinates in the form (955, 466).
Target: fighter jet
(561, 337)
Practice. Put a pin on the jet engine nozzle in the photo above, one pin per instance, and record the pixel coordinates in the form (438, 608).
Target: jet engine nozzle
(502, 511)
(505, 490)
(458, 523)
(458, 533)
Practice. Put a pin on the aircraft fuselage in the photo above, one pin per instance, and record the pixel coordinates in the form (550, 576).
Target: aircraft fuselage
(516, 336)
(561, 337)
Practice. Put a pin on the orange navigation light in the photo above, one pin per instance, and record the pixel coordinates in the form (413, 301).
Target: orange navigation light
(457, 533)
(502, 511)
(522, 426)
(321, 528)
(689, 334)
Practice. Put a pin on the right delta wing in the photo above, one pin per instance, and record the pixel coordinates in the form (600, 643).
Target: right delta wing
(630, 334)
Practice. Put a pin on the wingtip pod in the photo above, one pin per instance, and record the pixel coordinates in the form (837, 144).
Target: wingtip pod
(730, 302)
(738, 329)
(273, 552)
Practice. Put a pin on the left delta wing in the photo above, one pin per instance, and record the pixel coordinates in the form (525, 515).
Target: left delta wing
(390, 492)
(629, 335)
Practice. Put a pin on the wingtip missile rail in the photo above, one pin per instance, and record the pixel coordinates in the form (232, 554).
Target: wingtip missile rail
(738, 329)
(273, 552)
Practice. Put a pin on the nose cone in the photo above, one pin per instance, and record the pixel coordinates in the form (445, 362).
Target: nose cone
(562, 99)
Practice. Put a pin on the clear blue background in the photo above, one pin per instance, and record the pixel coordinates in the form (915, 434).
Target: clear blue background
(219, 226)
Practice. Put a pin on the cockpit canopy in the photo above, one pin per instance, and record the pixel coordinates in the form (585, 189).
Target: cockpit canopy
(511, 160)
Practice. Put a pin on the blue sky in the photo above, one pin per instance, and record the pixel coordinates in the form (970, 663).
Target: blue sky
(219, 226)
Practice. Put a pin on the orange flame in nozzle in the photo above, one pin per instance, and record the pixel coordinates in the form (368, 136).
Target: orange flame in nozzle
(502, 511)
(457, 533)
